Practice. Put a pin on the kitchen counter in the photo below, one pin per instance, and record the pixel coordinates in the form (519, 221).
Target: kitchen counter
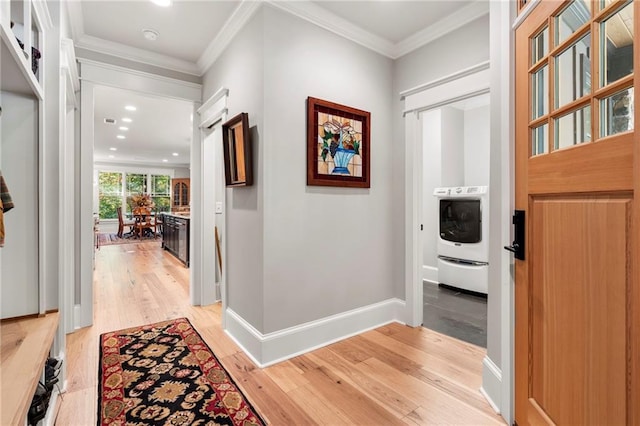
(175, 235)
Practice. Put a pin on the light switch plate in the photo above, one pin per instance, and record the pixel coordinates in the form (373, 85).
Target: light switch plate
(218, 207)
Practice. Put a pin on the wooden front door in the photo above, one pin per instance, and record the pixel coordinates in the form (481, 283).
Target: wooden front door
(577, 173)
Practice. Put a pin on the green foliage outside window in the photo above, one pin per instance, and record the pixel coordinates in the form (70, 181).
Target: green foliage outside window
(109, 194)
(111, 188)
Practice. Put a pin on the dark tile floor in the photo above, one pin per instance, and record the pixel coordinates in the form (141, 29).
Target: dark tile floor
(455, 313)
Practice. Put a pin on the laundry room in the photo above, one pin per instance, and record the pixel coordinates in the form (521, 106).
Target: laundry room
(455, 207)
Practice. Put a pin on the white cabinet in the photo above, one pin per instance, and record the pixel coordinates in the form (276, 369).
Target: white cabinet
(21, 145)
(18, 63)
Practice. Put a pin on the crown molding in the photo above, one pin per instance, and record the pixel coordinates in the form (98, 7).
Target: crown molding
(306, 10)
(336, 24)
(74, 11)
(239, 18)
(138, 55)
(444, 26)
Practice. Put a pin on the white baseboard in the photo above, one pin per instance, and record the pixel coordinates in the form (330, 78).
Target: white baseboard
(491, 383)
(77, 318)
(430, 274)
(271, 348)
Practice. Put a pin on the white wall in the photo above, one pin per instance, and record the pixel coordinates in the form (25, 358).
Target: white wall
(453, 128)
(240, 69)
(19, 167)
(453, 52)
(327, 250)
(287, 263)
(476, 146)
(181, 172)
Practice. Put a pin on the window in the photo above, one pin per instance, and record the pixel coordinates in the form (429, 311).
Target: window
(116, 188)
(160, 192)
(109, 194)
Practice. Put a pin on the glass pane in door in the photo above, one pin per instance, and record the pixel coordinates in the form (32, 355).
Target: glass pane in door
(573, 128)
(540, 45)
(573, 72)
(616, 113)
(570, 19)
(539, 137)
(540, 92)
(617, 45)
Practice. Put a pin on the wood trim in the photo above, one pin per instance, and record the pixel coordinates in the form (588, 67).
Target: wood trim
(633, 309)
(522, 133)
(584, 176)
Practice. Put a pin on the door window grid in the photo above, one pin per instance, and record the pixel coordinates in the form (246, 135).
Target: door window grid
(574, 114)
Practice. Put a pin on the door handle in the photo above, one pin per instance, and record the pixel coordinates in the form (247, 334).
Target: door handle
(517, 247)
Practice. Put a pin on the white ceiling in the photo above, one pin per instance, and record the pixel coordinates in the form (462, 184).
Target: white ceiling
(159, 128)
(193, 33)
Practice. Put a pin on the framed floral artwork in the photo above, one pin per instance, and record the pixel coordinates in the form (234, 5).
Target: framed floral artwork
(337, 145)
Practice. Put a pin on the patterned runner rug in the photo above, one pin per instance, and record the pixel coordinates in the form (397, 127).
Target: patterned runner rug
(165, 374)
(111, 239)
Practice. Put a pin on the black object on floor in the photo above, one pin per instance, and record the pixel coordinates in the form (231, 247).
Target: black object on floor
(458, 314)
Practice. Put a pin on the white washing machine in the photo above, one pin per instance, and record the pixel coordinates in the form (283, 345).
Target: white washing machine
(463, 237)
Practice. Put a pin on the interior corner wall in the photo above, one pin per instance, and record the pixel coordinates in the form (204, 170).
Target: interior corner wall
(240, 69)
(328, 250)
(460, 49)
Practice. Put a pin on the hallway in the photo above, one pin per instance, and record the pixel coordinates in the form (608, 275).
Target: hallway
(391, 375)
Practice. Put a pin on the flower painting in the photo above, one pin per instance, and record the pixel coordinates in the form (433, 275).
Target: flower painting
(338, 145)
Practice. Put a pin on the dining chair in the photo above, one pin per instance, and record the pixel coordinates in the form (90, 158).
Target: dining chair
(158, 221)
(122, 223)
(143, 221)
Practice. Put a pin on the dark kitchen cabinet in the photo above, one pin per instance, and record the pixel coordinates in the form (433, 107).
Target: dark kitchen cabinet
(175, 236)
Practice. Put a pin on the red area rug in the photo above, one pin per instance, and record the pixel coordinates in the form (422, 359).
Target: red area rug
(165, 374)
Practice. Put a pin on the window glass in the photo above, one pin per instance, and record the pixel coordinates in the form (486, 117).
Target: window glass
(109, 194)
(573, 72)
(617, 113)
(539, 137)
(573, 128)
(160, 192)
(571, 18)
(136, 185)
(540, 92)
(540, 45)
(617, 45)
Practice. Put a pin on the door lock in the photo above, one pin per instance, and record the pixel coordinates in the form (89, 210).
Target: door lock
(517, 247)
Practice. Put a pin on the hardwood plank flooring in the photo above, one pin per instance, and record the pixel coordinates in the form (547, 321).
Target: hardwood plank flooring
(391, 375)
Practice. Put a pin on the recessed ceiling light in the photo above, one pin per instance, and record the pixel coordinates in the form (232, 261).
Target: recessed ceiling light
(149, 34)
(175, 154)
(164, 160)
(120, 137)
(127, 120)
(113, 149)
(112, 156)
(123, 128)
(163, 3)
(130, 108)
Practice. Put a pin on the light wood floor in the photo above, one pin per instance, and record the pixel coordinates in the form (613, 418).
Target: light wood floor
(392, 375)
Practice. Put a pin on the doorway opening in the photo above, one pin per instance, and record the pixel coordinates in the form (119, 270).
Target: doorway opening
(110, 135)
(454, 214)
